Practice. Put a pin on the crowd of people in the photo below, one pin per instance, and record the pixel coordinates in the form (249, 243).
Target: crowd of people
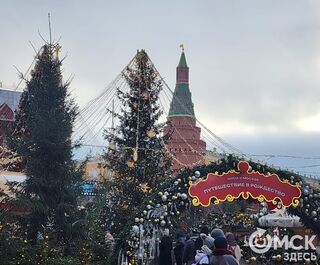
(204, 248)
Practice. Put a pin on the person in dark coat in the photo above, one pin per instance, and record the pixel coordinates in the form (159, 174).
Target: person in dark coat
(220, 253)
(199, 242)
(165, 247)
(189, 251)
(179, 248)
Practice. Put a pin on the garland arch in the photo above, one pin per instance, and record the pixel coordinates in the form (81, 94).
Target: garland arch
(170, 202)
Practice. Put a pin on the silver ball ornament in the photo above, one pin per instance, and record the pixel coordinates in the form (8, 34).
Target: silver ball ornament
(164, 198)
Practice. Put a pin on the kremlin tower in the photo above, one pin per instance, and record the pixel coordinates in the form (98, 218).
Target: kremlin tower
(185, 145)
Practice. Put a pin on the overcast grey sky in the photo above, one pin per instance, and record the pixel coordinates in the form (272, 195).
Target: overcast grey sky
(254, 65)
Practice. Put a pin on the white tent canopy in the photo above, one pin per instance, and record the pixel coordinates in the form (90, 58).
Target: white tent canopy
(284, 220)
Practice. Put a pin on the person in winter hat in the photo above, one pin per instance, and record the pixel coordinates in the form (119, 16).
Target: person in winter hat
(220, 253)
(217, 232)
(233, 246)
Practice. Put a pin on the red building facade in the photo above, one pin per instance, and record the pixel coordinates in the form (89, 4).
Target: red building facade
(185, 145)
(6, 119)
(9, 101)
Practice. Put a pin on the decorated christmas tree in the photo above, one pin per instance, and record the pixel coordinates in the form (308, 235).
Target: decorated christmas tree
(137, 155)
(41, 137)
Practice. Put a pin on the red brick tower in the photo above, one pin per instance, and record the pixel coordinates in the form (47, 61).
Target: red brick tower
(185, 145)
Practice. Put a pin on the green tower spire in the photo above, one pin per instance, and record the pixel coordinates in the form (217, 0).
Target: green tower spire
(183, 61)
(181, 104)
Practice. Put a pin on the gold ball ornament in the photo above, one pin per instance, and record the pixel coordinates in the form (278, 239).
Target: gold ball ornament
(145, 95)
(151, 134)
(130, 164)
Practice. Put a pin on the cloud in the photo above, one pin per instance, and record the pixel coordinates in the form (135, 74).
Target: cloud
(254, 65)
(310, 124)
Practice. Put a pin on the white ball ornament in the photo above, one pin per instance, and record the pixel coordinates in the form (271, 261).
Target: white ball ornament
(163, 223)
(164, 198)
(184, 196)
(136, 219)
(197, 174)
(149, 206)
(141, 220)
(135, 229)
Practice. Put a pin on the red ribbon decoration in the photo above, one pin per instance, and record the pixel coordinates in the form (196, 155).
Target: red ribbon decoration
(232, 185)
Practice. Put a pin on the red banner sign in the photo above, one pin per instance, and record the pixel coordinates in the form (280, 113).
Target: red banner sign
(232, 185)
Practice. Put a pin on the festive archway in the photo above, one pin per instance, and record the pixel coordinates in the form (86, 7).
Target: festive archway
(169, 201)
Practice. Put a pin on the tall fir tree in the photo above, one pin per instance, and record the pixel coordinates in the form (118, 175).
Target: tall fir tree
(41, 136)
(137, 155)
